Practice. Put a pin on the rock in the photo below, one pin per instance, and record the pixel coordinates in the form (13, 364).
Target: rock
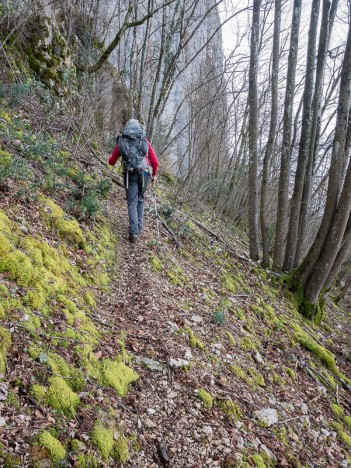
(178, 363)
(240, 442)
(208, 431)
(188, 355)
(151, 411)
(2, 422)
(344, 464)
(3, 392)
(173, 326)
(304, 408)
(321, 390)
(268, 416)
(149, 424)
(196, 319)
(150, 363)
(23, 229)
(258, 358)
(325, 432)
(26, 317)
(80, 446)
(269, 452)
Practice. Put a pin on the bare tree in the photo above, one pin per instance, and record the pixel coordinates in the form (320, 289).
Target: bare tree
(253, 116)
(283, 192)
(271, 136)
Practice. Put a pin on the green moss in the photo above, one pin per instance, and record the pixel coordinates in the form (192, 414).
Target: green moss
(39, 393)
(337, 410)
(248, 345)
(19, 267)
(67, 229)
(193, 341)
(89, 299)
(5, 343)
(347, 421)
(228, 282)
(120, 450)
(206, 398)
(175, 275)
(5, 158)
(344, 436)
(258, 460)
(156, 264)
(321, 353)
(238, 372)
(231, 409)
(256, 378)
(117, 375)
(13, 400)
(54, 447)
(88, 461)
(291, 373)
(61, 397)
(281, 434)
(329, 378)
(4, 292)
(102, 438)
(231, 338)
(35, 299)
(60, 368)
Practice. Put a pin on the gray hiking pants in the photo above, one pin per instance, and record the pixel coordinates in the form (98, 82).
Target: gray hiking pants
(137, 184)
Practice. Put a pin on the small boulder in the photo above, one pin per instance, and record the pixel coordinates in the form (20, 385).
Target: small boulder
(267, 416)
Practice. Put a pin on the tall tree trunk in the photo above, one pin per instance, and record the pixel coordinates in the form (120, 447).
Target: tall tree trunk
(328, 17)
(305, 270)
(271, 136)
(253, 153)
(315, 269)
(304, 140)
(283, 191)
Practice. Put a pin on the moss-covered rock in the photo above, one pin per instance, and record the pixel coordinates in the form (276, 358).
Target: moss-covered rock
(5, 343)
(194, 341)
(102, 438)
(117, 375)
(231, 409)
(321, 353)
(120, 450)
(206, 398)
(53, 446)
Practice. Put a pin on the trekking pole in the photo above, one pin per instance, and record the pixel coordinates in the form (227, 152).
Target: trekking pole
(156, 212)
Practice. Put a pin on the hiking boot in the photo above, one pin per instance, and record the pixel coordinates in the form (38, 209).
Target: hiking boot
(133, 238)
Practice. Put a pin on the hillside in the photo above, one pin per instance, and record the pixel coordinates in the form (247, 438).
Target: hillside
(148, 355)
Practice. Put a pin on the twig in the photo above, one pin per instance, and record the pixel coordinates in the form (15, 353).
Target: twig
(291, 419)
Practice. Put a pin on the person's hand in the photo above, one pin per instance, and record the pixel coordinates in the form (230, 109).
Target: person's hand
(153, 180)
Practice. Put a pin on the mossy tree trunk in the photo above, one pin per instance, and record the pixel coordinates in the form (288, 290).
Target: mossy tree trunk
(311, 277)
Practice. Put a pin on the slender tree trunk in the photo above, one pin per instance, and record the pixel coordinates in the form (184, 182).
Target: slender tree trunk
(305, 270)
(271, 136)
(304, 140)
(315, 269)
(344, 290)
(253, 152)
(328, 16)
(283, 191)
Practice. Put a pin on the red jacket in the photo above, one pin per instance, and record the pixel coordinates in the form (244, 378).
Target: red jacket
(152, 160)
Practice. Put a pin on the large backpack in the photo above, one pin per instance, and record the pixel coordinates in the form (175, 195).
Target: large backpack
(133, 148)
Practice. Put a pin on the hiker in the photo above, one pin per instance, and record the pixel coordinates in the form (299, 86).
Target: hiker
(139, 166)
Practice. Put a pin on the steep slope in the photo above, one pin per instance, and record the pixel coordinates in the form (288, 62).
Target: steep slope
(207, 339)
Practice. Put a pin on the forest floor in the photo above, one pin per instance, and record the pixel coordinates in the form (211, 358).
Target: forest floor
(238, 345)
(214, 340)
